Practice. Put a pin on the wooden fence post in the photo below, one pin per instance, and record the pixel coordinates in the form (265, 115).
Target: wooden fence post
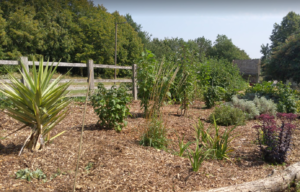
(24, 60)
(134, 81)
(90, 68)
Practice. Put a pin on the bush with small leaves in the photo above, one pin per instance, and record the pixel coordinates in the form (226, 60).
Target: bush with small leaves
(111, 106)
(227, 115)
(265, 106)
(248, 107)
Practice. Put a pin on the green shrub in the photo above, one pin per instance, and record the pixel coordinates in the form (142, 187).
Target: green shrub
(213, 94)
(298, 106)
(227, 115)
(265, 106)
(282, 94)
(155, 135)
(248, 107)
(111, 106)
(213, 74)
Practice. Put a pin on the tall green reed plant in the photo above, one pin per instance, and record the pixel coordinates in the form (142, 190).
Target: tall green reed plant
(184, 87)
(154, 81)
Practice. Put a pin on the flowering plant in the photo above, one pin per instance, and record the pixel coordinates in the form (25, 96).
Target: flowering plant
(275, 140)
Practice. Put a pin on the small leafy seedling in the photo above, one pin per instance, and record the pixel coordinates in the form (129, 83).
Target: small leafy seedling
(28, 175)
(89, 166)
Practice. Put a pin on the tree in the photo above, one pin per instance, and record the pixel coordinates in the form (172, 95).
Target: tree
(289, 24)
(145, 36)
(224, 48)
(285, 60)
(279, 60)
(67, 30)
(204, 46)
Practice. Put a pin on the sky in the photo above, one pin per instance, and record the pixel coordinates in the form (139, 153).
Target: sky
(248, 24)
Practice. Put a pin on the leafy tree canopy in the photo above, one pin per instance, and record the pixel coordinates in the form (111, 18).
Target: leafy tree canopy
(225, 49)
(66, 30)
(280, 60)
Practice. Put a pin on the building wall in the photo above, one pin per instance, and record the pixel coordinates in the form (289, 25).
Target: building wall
(250, 69)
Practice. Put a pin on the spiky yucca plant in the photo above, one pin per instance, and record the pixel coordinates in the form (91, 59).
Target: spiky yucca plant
(39, 104)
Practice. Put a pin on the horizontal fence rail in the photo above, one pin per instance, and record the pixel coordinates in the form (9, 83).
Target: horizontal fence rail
(64, 64)
(90, 68)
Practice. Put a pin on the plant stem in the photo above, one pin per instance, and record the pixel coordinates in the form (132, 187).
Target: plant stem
(82, 129)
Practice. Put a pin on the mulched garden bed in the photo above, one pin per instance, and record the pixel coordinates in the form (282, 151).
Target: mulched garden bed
(112, 161)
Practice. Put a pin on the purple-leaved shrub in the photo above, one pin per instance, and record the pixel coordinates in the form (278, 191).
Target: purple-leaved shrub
(276, 139)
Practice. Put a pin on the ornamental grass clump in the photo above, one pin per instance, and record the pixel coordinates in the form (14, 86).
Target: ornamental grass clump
(217, 144)
(275, 141)
(39, 104)
(155, 134)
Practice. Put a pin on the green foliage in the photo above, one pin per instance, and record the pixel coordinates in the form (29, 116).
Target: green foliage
(111, 106)
(264, 88)
(289, 25)
(218, 144)
(89, 166)
(145, 37)
(227, 115)
(282, 94)
(224, 49)
(219, 79)
(298, 106)
(280, 59)
(285, 58)
(154, 81)
(40, 104)
(248, 107)
(4, 102)
(184, 86)
(197, 157)
(28, 175)
(213, 94)
(155, 135)
(265, 106)
(254, 107)
(183, 147)
(70, 31)
(200, 47)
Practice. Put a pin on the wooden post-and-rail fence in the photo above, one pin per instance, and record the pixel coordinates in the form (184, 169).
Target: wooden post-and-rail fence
(90, 68)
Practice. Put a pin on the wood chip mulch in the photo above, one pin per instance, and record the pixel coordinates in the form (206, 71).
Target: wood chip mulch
(112, 161)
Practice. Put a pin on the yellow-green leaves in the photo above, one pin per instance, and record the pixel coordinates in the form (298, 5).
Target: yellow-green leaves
(41, 104)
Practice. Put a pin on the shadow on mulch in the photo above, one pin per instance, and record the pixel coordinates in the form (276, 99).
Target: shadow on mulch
(93, 127)
(252, 159)
(9, 149)
(136, 115)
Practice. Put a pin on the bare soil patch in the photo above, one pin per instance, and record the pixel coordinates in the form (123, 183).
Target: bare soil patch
(119, 163)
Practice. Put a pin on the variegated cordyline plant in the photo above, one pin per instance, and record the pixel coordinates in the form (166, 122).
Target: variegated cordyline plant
(39, 104)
